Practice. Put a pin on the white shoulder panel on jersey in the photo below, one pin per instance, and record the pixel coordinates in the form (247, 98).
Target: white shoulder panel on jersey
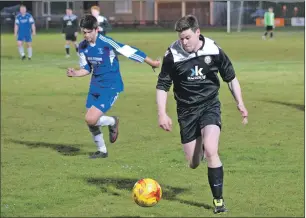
(73, 17)
(101, 19)
(31, 19)
(179, 54)
(210, 48)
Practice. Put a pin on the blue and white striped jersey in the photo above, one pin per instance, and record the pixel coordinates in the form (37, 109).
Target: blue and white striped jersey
(102, 61)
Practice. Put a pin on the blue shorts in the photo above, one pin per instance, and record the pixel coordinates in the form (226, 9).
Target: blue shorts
(25, 38)
(103, 101)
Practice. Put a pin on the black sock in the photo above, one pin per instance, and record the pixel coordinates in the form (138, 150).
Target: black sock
(271, 35)
(266, 33)
(95, 130)
(67, 51)
(215, 178)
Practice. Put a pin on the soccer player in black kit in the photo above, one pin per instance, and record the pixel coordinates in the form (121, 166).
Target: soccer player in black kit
(191, 64)
(70, 30)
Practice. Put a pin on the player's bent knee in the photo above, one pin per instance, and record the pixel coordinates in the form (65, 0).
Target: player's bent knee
(211, 157)
(212, 153)
(90, 120)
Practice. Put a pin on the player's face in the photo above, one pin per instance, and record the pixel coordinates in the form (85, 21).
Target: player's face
(189, 39)
(95, 12)
(90, 35)
(68, 12)
(270, 9)
(23, 10)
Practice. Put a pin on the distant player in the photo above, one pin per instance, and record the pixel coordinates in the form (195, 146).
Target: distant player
(269, 23)
(98, 55)
(104, 25)
(24, 29)
(192, 64)
(70, 29)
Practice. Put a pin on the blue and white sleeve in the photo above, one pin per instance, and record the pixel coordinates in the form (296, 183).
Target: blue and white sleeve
(16, 21)
(130, 52)
(31, 20)
(83, 62)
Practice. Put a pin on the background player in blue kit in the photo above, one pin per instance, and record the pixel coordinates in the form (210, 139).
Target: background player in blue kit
(23, 30)
(98, 54)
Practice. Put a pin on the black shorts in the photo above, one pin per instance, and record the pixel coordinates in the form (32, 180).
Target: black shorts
(269, 28)
(70, 37)
(193, 119)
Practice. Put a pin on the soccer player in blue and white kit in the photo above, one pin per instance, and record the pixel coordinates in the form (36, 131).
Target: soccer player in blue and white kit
(23, 30)
(98, 55)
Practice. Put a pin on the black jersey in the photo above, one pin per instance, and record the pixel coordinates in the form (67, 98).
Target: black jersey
(104, 25)
(194, 75)
(69, 24)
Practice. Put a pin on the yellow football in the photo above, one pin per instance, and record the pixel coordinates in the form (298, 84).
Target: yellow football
(147, 192)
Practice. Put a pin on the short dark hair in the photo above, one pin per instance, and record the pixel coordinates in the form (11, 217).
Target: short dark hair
(185, 23)
(89, 22)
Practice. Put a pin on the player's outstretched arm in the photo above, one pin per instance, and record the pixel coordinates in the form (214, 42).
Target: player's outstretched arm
(132, 53)
(85, 66)
(71, 72)
(235, 89)
(153, 63)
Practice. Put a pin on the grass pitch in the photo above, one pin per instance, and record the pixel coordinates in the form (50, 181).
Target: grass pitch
(45, 170)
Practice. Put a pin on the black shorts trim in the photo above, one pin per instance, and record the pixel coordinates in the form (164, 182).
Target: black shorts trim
(70, 37)
(269, 28)
(192, 120)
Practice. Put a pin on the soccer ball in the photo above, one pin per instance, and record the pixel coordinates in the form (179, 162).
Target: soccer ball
(147, 192)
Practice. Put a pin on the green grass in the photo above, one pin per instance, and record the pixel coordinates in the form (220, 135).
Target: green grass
(45, 168)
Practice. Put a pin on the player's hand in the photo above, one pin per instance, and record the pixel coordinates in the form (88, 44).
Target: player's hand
(156, 64)
(165, 122)
(34, 34)
(71, 72)
(244, 113)
(76, 34)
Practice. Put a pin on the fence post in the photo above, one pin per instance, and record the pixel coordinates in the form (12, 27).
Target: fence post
(228, 16)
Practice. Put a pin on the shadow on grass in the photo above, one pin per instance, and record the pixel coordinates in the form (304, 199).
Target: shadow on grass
(168, 192)
(68, 150)
(8, 57)
(300, 107)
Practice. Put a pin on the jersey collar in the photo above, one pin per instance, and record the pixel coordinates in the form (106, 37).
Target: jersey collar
(202, 39)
